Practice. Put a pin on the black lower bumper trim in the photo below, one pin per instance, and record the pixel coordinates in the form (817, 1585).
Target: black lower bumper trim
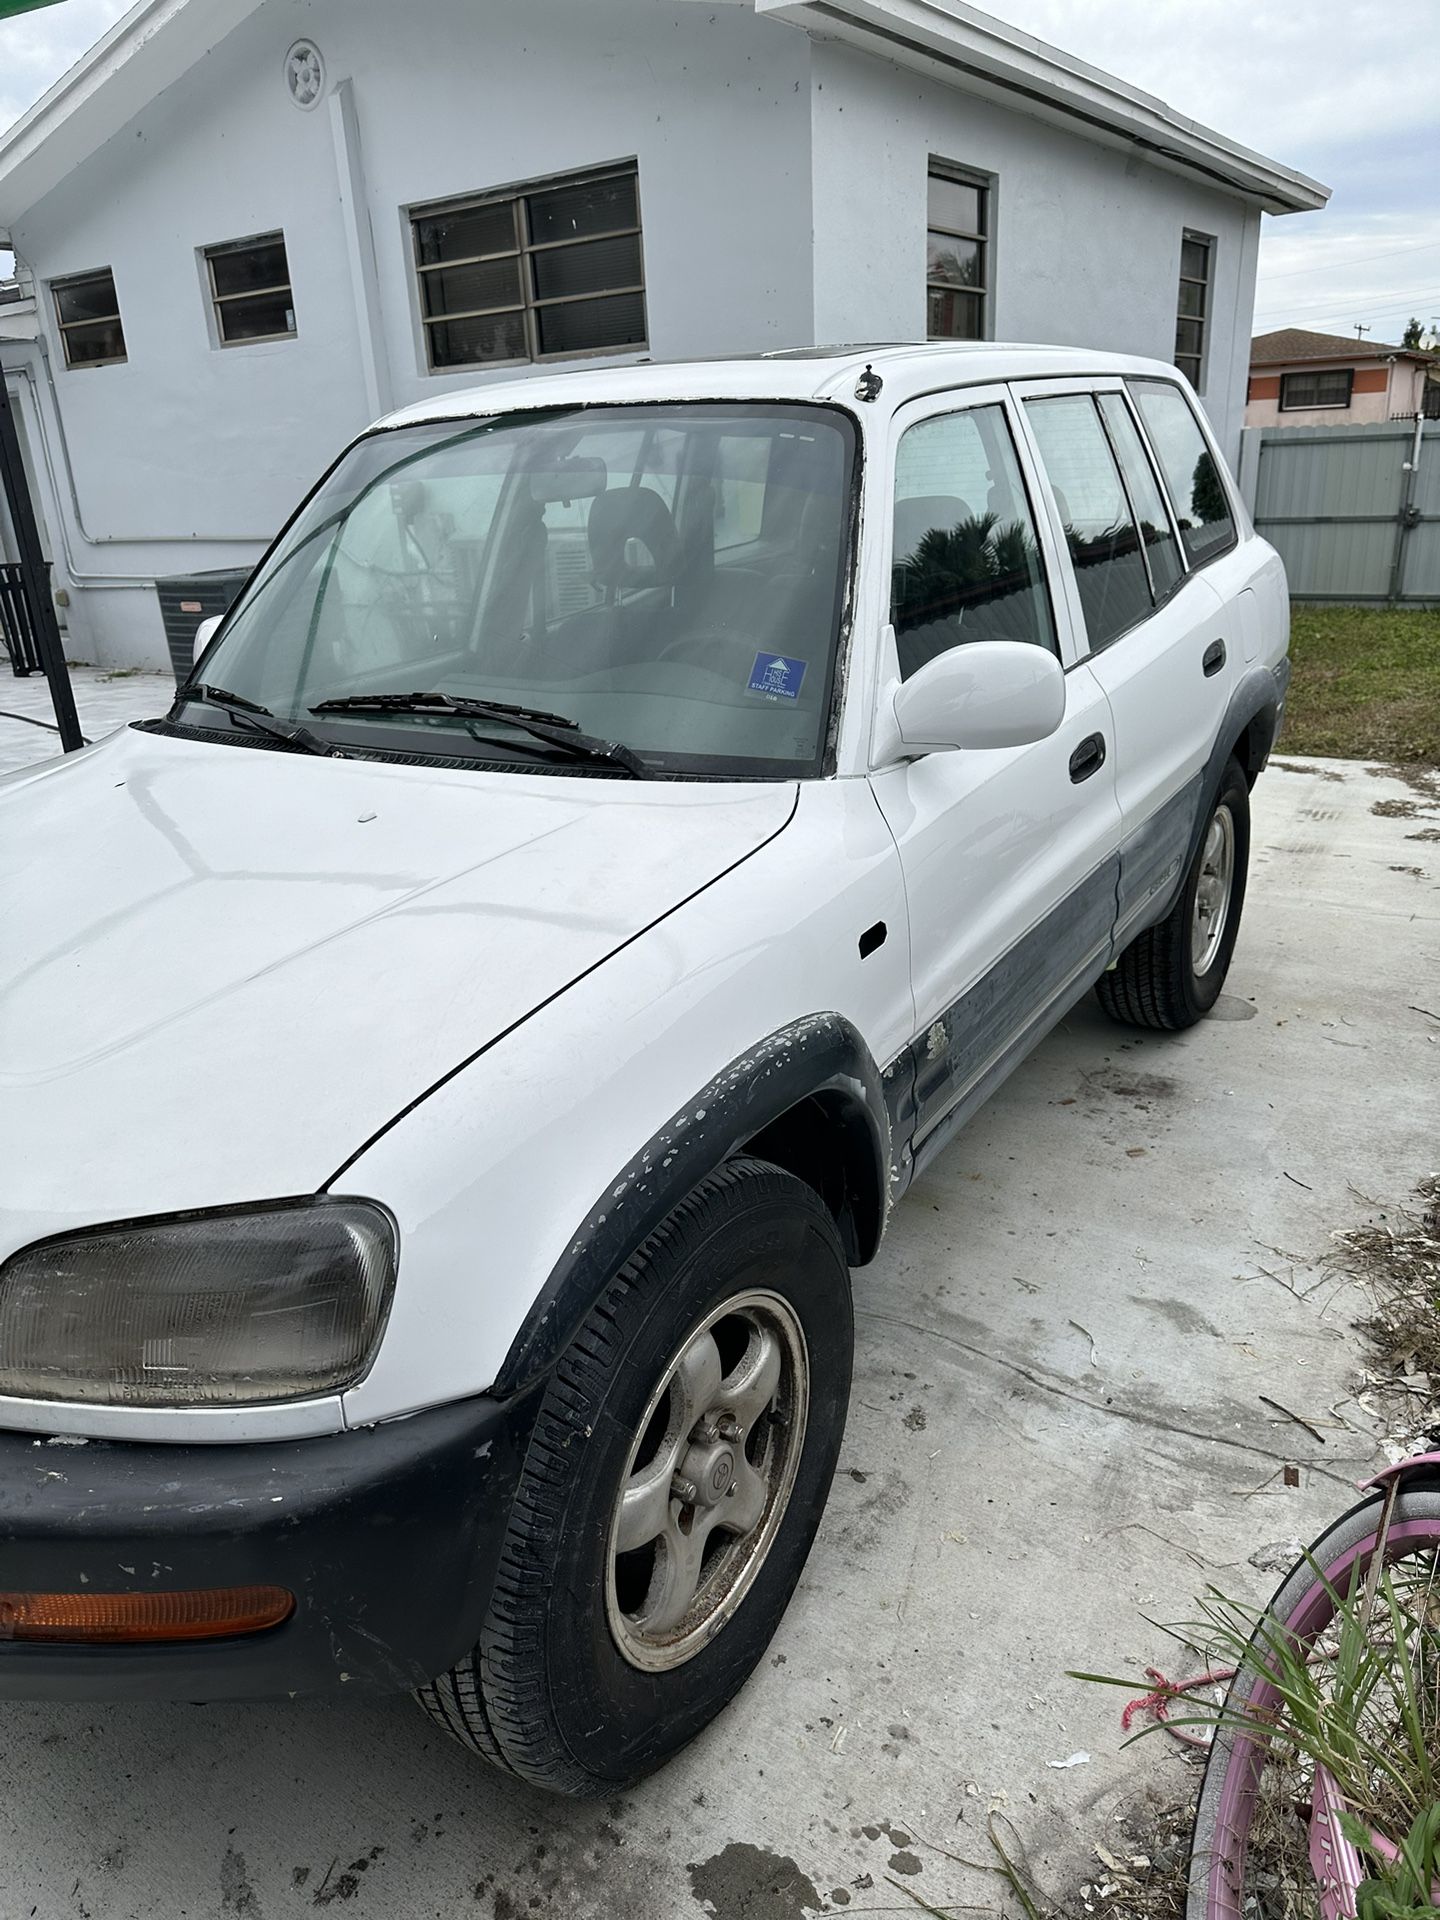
(387, 1536)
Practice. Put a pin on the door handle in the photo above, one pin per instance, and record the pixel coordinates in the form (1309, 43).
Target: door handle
(1088, 757)
(1214, 658)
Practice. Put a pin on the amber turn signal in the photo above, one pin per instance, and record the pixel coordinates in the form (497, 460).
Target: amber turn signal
(118, 1619)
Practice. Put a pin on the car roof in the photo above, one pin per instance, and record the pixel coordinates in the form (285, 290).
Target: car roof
(906, 371)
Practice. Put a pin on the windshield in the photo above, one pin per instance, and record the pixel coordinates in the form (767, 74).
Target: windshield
(669, 578)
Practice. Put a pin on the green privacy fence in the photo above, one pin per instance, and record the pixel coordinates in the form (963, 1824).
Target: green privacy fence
(1353, 511)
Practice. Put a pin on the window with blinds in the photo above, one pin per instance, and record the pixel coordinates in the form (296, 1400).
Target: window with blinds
(540, 272)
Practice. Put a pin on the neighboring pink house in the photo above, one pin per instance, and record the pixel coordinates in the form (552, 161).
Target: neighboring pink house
(1300, 379)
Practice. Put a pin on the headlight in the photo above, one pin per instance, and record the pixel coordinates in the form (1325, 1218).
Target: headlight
(219, 1309)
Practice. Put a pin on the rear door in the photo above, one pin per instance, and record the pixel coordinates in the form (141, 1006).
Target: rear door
(1152, 628)
(1010, 855)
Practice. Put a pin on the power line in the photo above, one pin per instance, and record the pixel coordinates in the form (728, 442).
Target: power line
(1356, 260)
(1404, 305)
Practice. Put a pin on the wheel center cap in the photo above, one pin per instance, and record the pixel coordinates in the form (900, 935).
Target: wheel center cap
(710, 1468)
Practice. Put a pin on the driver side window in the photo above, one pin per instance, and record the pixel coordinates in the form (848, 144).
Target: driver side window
(966, 564)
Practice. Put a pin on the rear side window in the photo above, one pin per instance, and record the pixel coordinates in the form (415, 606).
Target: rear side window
(1161, 547)
(1102, 536)
(1191, 474)
(966, 563)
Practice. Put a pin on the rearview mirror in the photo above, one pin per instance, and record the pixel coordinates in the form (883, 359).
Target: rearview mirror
(990, 693)
(204, 634)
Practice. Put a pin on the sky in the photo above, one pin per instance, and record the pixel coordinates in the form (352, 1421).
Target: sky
(1342, 89)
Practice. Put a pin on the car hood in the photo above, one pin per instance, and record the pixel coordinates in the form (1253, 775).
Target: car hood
(222, 969)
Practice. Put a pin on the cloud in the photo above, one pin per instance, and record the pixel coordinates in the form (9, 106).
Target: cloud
(37, 48)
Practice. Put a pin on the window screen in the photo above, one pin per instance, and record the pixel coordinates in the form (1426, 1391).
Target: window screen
(1099, 530)
(1329, 389)
(1191, 475)
(966, 565)
(538, 273)
(1147, 503)
(87, 313)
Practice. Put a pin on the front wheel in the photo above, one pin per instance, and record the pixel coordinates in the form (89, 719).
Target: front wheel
(677, 1474)
(1170, 975)
(1253, 1838)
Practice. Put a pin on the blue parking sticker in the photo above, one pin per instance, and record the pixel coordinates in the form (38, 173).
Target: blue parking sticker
(777, 674)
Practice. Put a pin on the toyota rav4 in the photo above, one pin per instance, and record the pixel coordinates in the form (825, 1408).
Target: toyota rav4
(451, 1063)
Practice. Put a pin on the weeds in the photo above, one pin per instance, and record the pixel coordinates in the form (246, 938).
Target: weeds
(1360, 1699)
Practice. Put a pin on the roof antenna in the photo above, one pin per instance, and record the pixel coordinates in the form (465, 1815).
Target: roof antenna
(868, 386)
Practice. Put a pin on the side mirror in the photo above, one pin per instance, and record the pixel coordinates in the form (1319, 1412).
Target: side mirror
(990, 693)
(204, 634)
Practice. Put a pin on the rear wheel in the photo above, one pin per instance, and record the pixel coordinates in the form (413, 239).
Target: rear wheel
(1171, 975)
(673, 1486)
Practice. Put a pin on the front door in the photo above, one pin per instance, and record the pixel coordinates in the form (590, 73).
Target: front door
(1010, 854)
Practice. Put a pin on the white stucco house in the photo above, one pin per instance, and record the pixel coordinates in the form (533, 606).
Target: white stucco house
(244, 228)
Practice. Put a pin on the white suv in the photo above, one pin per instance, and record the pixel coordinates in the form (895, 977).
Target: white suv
(450, 1064)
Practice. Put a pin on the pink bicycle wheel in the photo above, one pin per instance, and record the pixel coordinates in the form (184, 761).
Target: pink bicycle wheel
(1225, 1881)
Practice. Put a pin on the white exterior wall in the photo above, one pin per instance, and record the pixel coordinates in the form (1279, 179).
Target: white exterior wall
(190, 456)
(782, 191)
(1086, 243)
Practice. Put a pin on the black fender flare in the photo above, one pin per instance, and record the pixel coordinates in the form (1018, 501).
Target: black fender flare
(820, 1057)
(1257, 697)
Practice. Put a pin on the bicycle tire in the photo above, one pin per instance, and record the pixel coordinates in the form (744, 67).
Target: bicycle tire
(1304, 1605)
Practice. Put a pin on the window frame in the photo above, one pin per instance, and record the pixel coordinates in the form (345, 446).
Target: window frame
(65, 327)
(220, 300)
(529, 306)
(937, 168)
(936, 406)
(1238, 520)
(1190, 237)
(1347, 374)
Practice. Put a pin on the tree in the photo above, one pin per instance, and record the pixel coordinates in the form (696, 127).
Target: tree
(1414, 334)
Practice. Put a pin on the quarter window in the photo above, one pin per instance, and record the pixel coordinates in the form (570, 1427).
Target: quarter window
(1192, 312)
(250, 290)
(966, 563)
(1147, 503)
(1100, 531)
(1329, 389)
(87, 312)
(539, 273)
(1191, 474)
(957, 254)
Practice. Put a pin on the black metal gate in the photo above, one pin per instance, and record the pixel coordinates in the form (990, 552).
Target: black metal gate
(17, 631)
(27, 613)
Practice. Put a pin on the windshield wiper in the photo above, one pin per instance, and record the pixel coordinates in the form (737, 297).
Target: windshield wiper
(555, 729)
(248, 713)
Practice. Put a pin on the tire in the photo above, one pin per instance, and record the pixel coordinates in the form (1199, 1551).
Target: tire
(1159, 980)
(581, 1681)
(1304, 1604)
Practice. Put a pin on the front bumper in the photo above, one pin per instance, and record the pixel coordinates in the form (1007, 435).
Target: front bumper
(387, 1536)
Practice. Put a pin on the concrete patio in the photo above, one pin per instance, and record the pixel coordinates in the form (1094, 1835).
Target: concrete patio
(104, 701)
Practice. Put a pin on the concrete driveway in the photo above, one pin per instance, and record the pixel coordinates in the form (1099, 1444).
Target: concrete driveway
(1057, 1427)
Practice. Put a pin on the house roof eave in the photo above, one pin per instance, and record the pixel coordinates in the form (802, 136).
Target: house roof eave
(967, 47)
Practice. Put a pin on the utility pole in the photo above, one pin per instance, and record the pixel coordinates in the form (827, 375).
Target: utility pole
(34, 579)
(1360, 330)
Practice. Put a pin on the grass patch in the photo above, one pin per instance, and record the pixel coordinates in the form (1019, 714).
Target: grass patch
(1366, 684)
